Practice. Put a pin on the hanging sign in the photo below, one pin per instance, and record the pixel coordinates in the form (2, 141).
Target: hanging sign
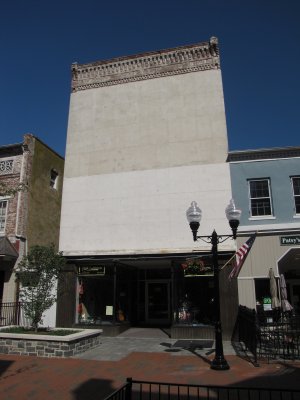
(289, 240)
(91, 270)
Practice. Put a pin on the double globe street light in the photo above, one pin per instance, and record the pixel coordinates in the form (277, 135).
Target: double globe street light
(194, 215)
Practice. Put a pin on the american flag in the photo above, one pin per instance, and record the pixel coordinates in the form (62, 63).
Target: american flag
(241, 256)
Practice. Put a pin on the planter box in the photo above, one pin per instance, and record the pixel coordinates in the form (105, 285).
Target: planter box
(189, 275)
(192, 332)
(49, 345)
(107, 330)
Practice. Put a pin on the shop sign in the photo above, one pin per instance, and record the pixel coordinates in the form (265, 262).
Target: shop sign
(289, 240)
(89, 270)
(267, 303)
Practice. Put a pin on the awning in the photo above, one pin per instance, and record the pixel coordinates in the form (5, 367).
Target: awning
(7, 250)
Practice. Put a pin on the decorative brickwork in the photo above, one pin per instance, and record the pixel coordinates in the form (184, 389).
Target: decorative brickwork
(6, 166)
(181, 60)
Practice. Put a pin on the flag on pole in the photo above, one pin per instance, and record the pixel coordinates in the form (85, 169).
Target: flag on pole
(241, 256)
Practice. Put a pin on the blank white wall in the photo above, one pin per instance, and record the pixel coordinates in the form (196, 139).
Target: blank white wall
(143, 211)
(156, 123)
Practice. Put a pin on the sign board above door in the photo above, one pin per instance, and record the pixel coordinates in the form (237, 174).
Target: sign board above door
(89, 270)
(290, 240)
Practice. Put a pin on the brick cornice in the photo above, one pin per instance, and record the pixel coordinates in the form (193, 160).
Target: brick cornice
(180, 60)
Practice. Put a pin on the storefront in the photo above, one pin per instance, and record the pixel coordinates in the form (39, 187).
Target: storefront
(281, 252)
(171, 291)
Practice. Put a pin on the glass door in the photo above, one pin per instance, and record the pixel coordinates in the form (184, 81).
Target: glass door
(157, 302)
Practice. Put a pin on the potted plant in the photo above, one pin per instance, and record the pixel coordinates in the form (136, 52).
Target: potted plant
(195, 267)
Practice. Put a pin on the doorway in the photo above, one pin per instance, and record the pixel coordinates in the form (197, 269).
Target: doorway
(157, 304)
(2, 276)
(295, 295)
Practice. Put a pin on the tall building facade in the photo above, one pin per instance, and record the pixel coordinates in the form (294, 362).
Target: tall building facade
(30, 216)
(266, 185)
(146, 136)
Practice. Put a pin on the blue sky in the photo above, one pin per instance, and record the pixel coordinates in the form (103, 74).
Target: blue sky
(259, 45)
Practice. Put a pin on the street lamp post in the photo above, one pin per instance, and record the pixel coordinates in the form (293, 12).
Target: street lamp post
(194, 215)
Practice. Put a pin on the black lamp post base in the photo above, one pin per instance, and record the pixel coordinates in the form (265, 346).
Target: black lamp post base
(219, 364)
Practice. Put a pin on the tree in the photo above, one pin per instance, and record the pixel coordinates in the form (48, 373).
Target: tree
(38, 273)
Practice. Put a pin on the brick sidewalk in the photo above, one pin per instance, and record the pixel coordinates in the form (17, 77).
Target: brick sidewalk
(23, 377)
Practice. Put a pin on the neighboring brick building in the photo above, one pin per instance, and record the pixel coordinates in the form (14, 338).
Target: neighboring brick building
(31, 216)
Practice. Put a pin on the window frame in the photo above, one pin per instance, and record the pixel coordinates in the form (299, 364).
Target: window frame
(2, 232)
(269, 197)
(297, 214)
(53, 179)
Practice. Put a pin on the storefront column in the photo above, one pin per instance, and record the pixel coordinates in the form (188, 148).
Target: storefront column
(172, 294)
(115, 294)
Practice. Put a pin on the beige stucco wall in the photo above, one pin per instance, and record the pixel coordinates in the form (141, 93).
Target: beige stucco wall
(44, 202)
(151, 124)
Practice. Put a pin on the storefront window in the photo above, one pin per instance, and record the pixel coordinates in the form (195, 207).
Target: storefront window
(95, 303)
(120, 294)
(196, 303)
(102, 298)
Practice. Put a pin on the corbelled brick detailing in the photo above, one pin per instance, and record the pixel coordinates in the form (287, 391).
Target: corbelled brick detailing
(48, 348)
(181, 60)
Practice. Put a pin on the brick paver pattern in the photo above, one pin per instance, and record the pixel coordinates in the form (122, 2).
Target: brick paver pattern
(87, 378)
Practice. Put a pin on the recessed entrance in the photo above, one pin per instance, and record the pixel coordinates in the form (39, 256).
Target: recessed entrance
(288, 265)
(157, 304)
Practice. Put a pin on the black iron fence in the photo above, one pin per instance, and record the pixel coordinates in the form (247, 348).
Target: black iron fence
(248, 329)
(270, 334)
(141, 390)
(280, 338)
(10, 313)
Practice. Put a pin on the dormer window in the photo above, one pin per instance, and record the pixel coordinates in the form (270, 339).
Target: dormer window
(53, 178)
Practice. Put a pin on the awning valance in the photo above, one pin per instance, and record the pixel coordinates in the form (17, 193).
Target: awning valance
(7, 249)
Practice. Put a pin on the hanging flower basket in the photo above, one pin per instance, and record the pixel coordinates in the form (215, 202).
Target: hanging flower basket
(195, 267)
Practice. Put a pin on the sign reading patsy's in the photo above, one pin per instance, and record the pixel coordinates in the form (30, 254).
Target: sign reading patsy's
(290, 240)
(88, 270)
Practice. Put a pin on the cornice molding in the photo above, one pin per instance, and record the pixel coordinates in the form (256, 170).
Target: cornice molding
(263, 154)
(180, 60)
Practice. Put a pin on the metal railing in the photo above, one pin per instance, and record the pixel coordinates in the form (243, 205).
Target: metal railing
(10, 313)
(141, 390)
(123, 393)
(271, 335)
(247, 330)
(280, 339)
